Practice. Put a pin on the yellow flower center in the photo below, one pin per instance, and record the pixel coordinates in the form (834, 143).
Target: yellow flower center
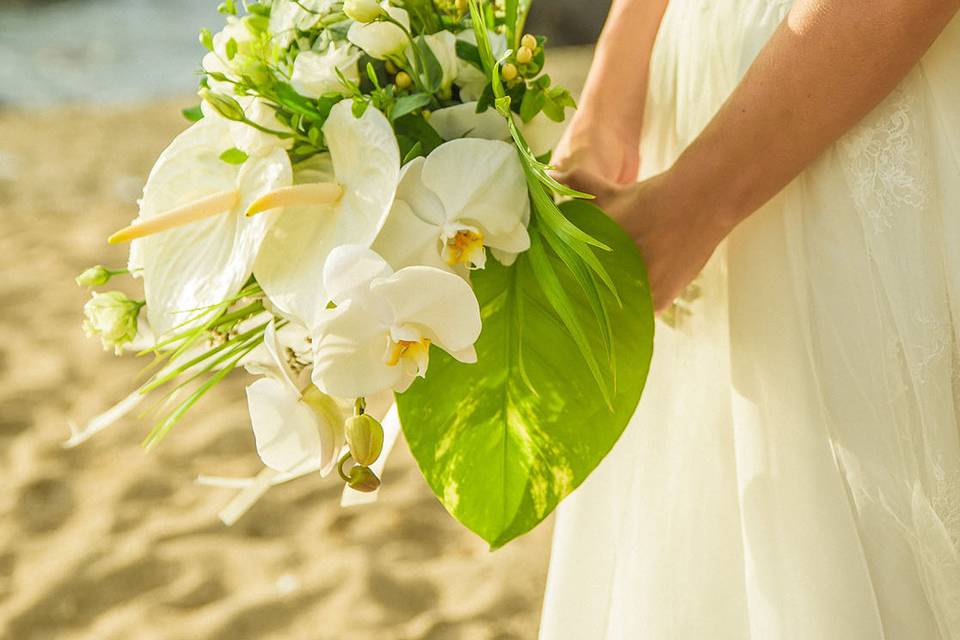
(414, 350)
(462, 247)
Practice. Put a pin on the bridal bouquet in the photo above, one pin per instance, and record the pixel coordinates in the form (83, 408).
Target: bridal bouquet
(356, 219)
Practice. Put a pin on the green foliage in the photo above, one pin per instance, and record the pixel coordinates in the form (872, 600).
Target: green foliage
(193, 114)
(233, 156)
(502, 441)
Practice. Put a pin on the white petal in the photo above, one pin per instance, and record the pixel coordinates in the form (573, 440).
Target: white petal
(423, 202)
(440, 304)
(349, 271)
(406, 240)
(349, 346)
(366, 161)
(463, 121)
(284, 427)
(203, 263)
(381, 39)
(314, 74)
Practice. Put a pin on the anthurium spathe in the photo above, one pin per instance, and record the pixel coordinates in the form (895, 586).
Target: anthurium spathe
(193, 244)
(365, 163)
(467, 195)
(379, 334)
(296, 426)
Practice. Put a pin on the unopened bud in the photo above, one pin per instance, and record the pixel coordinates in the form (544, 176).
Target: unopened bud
(365, 439)
(363, 479)
(529, 42)
(224, 105)
(524, 55)
(461, 6)
(403, 80)
(94, 276)
(390, 67)
(509, 72)
(362, 10)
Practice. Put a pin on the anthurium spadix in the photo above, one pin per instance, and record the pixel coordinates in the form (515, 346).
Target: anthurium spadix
(378, 336)
(192, 241)
(466, 195)
(295, 424)
(365, 165)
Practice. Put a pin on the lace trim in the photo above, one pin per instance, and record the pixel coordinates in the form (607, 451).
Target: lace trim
(883, 162)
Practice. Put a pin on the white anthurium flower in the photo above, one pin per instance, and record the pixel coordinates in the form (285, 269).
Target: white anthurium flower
(365, 163)
(192, 241)
(463, 121)
(379, 334)
(443, 45)
(286, 17)
(471, 194)
(470, 79)
(249, 139)
(315, 74)
(295, 424)
(382, 39)
(217, 60)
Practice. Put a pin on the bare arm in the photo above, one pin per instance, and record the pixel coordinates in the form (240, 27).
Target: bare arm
(604, 135)
(824, 69)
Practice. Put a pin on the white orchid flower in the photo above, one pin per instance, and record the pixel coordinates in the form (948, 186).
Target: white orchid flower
(249, 139)
(192, 241)
(286, 17)
(382, 39)
(465, 196)
(379, 334)
(463, 121)
(295, 425)
(217, 60)
(315, 74)
(470, 79)
(365, 162)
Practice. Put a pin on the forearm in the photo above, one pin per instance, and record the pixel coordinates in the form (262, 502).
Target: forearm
(616, 87)
(825, 68)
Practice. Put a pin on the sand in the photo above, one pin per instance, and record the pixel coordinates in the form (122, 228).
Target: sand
(106, 541)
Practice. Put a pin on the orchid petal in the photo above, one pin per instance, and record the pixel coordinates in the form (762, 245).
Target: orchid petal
(348, 354)
(349, 271)
(284, 427)
(423, 202)
(441, 304)
(406, 240)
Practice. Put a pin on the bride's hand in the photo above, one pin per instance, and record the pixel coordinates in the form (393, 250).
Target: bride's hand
(676, 233)
(590, 148)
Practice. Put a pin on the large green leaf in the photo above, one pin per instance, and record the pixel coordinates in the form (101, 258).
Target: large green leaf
(503, 441)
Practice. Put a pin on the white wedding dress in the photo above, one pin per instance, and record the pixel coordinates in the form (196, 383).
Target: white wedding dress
(793, 471)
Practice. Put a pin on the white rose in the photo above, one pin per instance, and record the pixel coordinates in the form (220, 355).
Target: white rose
(470, 79)
(113, 317)
(314, 74)
(286, 17)
(217, 60)
(382, 39)
(362, 10)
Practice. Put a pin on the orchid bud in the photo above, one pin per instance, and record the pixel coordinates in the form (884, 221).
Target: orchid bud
(94, 276)
(509, 72)
(224, 105)
(403, 80)
(363, 479)
(365, 439)
(113, 317)
(529, 42)
(362, 10)
(461, 6)
(524, 55)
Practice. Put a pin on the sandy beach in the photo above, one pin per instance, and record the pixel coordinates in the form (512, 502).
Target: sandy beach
(106, 541)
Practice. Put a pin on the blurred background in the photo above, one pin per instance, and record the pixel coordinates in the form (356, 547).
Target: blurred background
(105, 541)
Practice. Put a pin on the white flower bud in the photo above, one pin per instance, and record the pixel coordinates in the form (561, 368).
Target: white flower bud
(94, 276)
(113, 317)
(362, 10)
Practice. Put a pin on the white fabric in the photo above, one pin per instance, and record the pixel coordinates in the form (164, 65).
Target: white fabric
(794, 468)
